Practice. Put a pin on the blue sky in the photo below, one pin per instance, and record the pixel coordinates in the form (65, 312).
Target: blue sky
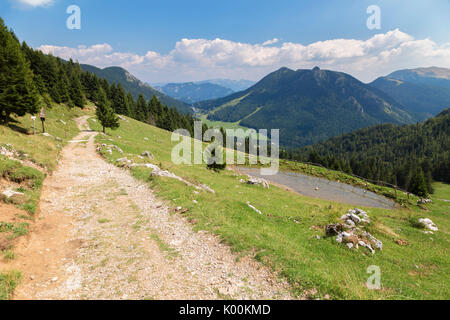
(146, 37)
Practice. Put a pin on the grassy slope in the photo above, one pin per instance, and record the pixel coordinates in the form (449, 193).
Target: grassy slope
(43, 151)
(418, 271)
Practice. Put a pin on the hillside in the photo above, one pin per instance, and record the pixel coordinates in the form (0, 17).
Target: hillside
(235, 85)
(191, 92)
(307, 105)
(422, 92)
(130, 83)
(287, 220)
(430, 76)
(389, 153)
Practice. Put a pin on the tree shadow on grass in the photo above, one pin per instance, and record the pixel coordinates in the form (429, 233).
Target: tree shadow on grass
(18, 129)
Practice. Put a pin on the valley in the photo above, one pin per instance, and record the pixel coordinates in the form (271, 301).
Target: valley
(100, 198)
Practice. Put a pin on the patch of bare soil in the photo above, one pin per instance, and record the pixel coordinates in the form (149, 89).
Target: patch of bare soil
(103, 235)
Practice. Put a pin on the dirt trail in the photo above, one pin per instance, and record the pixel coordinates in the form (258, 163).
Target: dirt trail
(103, 235)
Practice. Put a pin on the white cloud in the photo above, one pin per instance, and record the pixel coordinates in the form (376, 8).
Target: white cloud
(270, 42)
(197, 59)
(36, 3)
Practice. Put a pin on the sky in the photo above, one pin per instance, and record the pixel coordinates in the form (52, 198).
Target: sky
(179, 40)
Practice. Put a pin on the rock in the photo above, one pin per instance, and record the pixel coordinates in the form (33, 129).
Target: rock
(46, 134)
(147, 154)
(195, 201)
(58, 139)
(424, 201)
(333, 229)
(349, 223)
(254, 209)
(316, 189)
(32, 277)
(428, 224)
(55, 279)
(317, 237)
(145, 139)
(121, 160)
(258, 181)
(62, 121)
(13, 196)
(374, 241)
(350, 245)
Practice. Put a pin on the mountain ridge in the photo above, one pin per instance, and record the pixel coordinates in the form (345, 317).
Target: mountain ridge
(135, 86)
(307, 105)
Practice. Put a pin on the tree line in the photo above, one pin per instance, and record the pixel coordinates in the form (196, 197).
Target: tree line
(409, 156)
(29, 79)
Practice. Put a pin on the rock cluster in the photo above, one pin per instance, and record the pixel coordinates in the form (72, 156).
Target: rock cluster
(109, 148)
(256, 181)
(351, 231)
(9, 152)
(424, 201)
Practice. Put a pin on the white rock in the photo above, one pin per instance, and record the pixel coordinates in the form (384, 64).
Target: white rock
(428, 224)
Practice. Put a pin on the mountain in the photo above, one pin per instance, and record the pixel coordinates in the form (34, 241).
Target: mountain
(191, 92)
(135, 86)
(423, 92)
(389, 153)
(308, 106)
(235, 85)
(430, 76)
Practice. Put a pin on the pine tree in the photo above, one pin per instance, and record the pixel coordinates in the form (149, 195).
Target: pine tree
(18, 94)
(105, 114)
(141, 108)
(418, 184)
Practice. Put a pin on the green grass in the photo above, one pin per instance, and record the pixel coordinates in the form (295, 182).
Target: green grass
(42, 150)
(8, 282)
(14, 230)
(418, 271)
(30, 179)
(227, 125)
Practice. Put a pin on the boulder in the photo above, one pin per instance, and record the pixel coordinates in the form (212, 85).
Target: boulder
(428, 224)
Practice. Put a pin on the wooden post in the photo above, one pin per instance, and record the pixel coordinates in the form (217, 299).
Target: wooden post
(42, 116)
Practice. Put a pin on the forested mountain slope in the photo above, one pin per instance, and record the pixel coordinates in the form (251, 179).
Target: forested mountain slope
(390, 153)
(307, 105)
(118, 75)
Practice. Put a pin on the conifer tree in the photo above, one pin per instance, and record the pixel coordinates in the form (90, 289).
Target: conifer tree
(18, 94)
(105, 114)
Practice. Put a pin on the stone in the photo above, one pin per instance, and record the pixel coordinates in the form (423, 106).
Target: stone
(13, 196)
(147, 154)
(333, 229)
(350, 245)
(254, 209)
(428, 224)
(349, 223)
(258, 181)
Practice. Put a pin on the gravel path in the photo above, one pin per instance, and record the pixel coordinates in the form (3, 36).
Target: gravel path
(103, 235)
